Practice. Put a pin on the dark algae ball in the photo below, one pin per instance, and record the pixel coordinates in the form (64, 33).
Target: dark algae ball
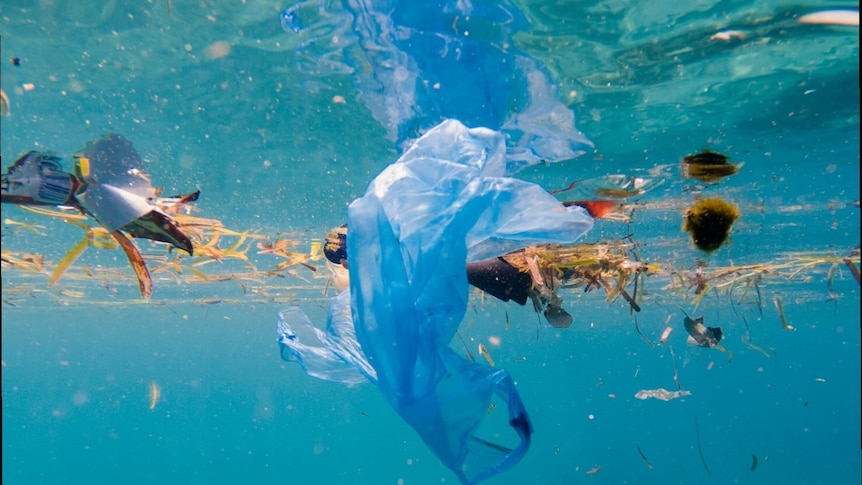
(707, 166)
(709, 222)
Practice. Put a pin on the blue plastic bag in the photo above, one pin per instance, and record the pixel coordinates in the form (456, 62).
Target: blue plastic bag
(445, 202)
(416, 63)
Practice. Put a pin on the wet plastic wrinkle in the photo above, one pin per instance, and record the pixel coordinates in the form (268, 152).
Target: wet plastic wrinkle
(443, 203)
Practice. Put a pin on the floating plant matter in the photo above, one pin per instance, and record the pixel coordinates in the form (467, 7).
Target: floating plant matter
(709, 222)
(707, 166)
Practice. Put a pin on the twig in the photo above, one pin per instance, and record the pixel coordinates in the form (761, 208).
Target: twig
(675, 371)
(648, 464)
(651, 345)
(699, 449)
(853, 270)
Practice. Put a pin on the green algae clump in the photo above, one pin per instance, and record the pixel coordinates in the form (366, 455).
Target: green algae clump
(709, 222)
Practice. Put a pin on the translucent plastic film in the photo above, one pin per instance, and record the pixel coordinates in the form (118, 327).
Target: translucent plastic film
(332, 355)
(408, 242)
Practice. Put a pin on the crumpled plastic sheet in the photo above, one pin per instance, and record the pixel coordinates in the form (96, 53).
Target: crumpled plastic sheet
(445, 202)
(417, 63)
(118, 188)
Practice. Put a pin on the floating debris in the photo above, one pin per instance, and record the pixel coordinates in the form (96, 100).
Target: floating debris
(853, 270)
(484, 353)
(598, 209)
(618, 186)
(709, 221)
(31, 263)
(699, 449)
(665, 334)
(675, 370)
(217, 50)
(707, 166)
(701, 335)
(747, 341)
(661, 394)
(35, 229)
(74, 253)
(111, 184)
(466, 349)
(728, 35)
(558, 317)
(593, 471)
(780, 307)
(500, 279)
(491, 407)
(641, 453)
(155, 393)
(4, 103)
(145, 282)
(73, 293)
(831, 17)
(589, 266)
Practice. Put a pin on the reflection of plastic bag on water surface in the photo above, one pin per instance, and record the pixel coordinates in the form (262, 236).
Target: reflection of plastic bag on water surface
(417, 63)
(445, 202)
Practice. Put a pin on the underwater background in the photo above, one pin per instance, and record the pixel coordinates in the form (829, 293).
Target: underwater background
(270, 119)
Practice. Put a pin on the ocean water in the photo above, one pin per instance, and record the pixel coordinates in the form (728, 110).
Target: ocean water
(276, 129)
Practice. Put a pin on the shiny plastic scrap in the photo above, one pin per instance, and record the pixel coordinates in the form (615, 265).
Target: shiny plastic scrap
(118, 188)
(445, 202)
(110, 183)
(431, 61)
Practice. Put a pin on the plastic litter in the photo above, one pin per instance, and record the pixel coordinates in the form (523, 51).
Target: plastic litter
(37, 178)
(110, 183)
(700, 334)
(444, 203)
(418, 63)
(661, 394)
(117, 188)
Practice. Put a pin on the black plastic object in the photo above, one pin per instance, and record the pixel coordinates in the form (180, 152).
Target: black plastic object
(500, 279)
(157, 226)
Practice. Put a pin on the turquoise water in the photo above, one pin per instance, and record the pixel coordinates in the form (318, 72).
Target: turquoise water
(262, 133)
